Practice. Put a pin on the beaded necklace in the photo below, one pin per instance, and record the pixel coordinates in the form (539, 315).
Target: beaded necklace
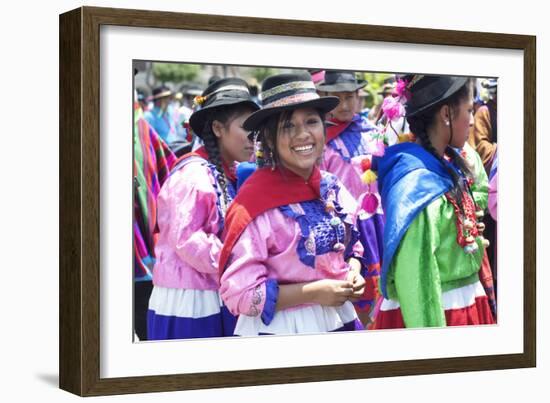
(335, 221)
(468, 229)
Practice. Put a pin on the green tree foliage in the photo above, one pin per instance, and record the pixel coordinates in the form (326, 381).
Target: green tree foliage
(375, 83)
(175, 72)
(261, 73)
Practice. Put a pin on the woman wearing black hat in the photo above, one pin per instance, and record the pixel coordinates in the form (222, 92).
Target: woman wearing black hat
(290, 256)
(164, 117)
(433, 244)
(191, 208)
(351, 142)
(349, 136)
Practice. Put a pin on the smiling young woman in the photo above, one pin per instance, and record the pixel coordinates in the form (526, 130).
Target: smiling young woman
(300, 141)
(290, 261)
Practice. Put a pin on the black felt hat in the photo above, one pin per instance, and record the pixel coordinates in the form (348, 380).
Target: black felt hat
(162, 91)
(340, 81)
(387, 89)
(288, 92)
(428, 91)
(227, 91)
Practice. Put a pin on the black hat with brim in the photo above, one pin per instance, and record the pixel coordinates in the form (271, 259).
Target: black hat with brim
(340, 81)
(387, 89)
(161, 92)
(224, 92)
(428, 91)
(284, 92)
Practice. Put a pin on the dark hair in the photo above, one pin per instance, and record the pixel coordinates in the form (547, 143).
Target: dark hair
(267, 135)
(419, 125)
(225, 115)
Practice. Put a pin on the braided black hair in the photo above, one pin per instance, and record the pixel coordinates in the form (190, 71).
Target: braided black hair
(214, 156)
(223, 114)
(419, 125)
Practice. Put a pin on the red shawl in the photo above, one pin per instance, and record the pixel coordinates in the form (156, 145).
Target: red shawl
(201, 152)
(264, 190)
(336, 128)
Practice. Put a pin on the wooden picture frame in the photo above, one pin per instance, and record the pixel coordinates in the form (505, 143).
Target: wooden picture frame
(79, 346)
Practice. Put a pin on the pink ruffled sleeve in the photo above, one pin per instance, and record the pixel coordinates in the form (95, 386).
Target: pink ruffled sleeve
(346, 172)
(187, 206)
(352, 207)
(245, 286)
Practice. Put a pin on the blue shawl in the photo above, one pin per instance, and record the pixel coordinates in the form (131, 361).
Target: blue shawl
(409, 179)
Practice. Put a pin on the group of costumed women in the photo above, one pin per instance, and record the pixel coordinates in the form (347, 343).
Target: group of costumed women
(333, 230)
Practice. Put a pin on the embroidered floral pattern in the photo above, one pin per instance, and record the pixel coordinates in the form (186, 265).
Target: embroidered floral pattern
(322, 231)
(257, 298)
(309, 244)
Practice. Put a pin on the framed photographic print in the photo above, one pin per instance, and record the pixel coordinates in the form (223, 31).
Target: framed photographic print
(103, 54)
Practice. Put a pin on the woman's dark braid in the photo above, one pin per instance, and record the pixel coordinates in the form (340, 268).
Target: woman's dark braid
(214, 156)
(456, 157)
(418, 125)
(459, 161)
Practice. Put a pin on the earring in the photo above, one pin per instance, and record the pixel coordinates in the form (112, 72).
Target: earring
(446, 123)
(272, 160)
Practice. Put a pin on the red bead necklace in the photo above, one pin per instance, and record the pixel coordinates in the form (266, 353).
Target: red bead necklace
(466, 223)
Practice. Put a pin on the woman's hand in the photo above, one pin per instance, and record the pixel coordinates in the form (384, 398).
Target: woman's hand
(326, 292)
(358, 283)
(323, 292)
(331, 292)
(355, 277)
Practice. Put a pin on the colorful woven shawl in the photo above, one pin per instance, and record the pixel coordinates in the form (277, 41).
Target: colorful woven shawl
(152, 163)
